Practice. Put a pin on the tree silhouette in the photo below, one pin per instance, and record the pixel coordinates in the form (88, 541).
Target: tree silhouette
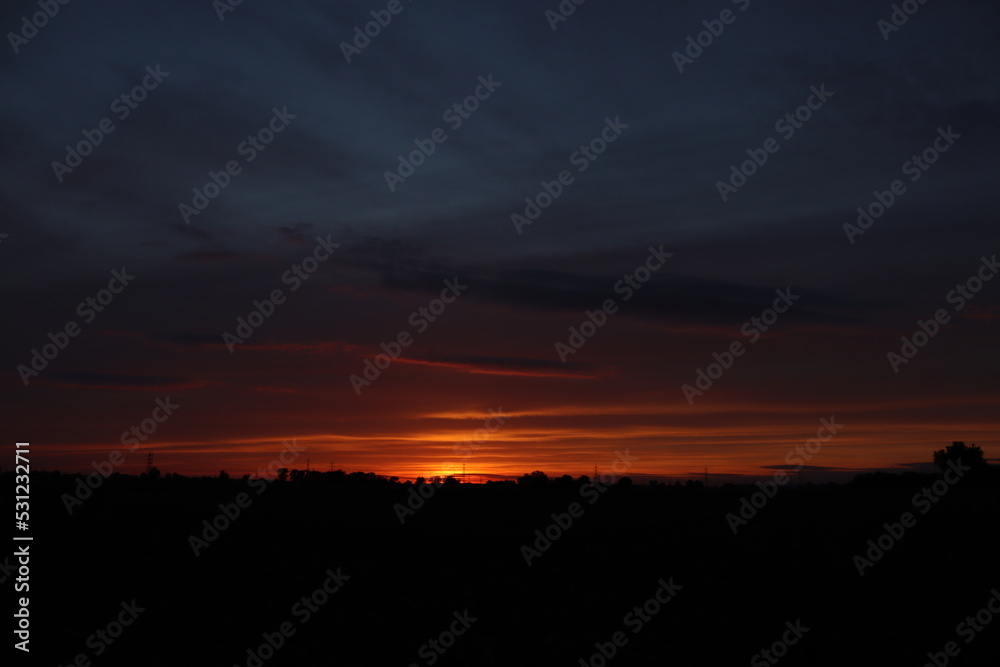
(536, 478)
(971, 456)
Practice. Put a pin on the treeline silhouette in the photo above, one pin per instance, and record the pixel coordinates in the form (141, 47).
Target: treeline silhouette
(957, 453)
(970, 457)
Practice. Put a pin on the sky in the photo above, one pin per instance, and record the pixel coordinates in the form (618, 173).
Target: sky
(630, 139)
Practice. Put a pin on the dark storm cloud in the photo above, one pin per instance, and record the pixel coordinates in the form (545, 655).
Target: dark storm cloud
(399, 267)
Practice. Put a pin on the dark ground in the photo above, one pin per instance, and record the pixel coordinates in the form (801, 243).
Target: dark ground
(462, 550)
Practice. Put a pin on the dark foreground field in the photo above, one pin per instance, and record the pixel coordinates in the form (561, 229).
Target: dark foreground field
(460, 556)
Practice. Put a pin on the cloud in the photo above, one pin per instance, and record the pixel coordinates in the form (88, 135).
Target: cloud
(540, 368)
